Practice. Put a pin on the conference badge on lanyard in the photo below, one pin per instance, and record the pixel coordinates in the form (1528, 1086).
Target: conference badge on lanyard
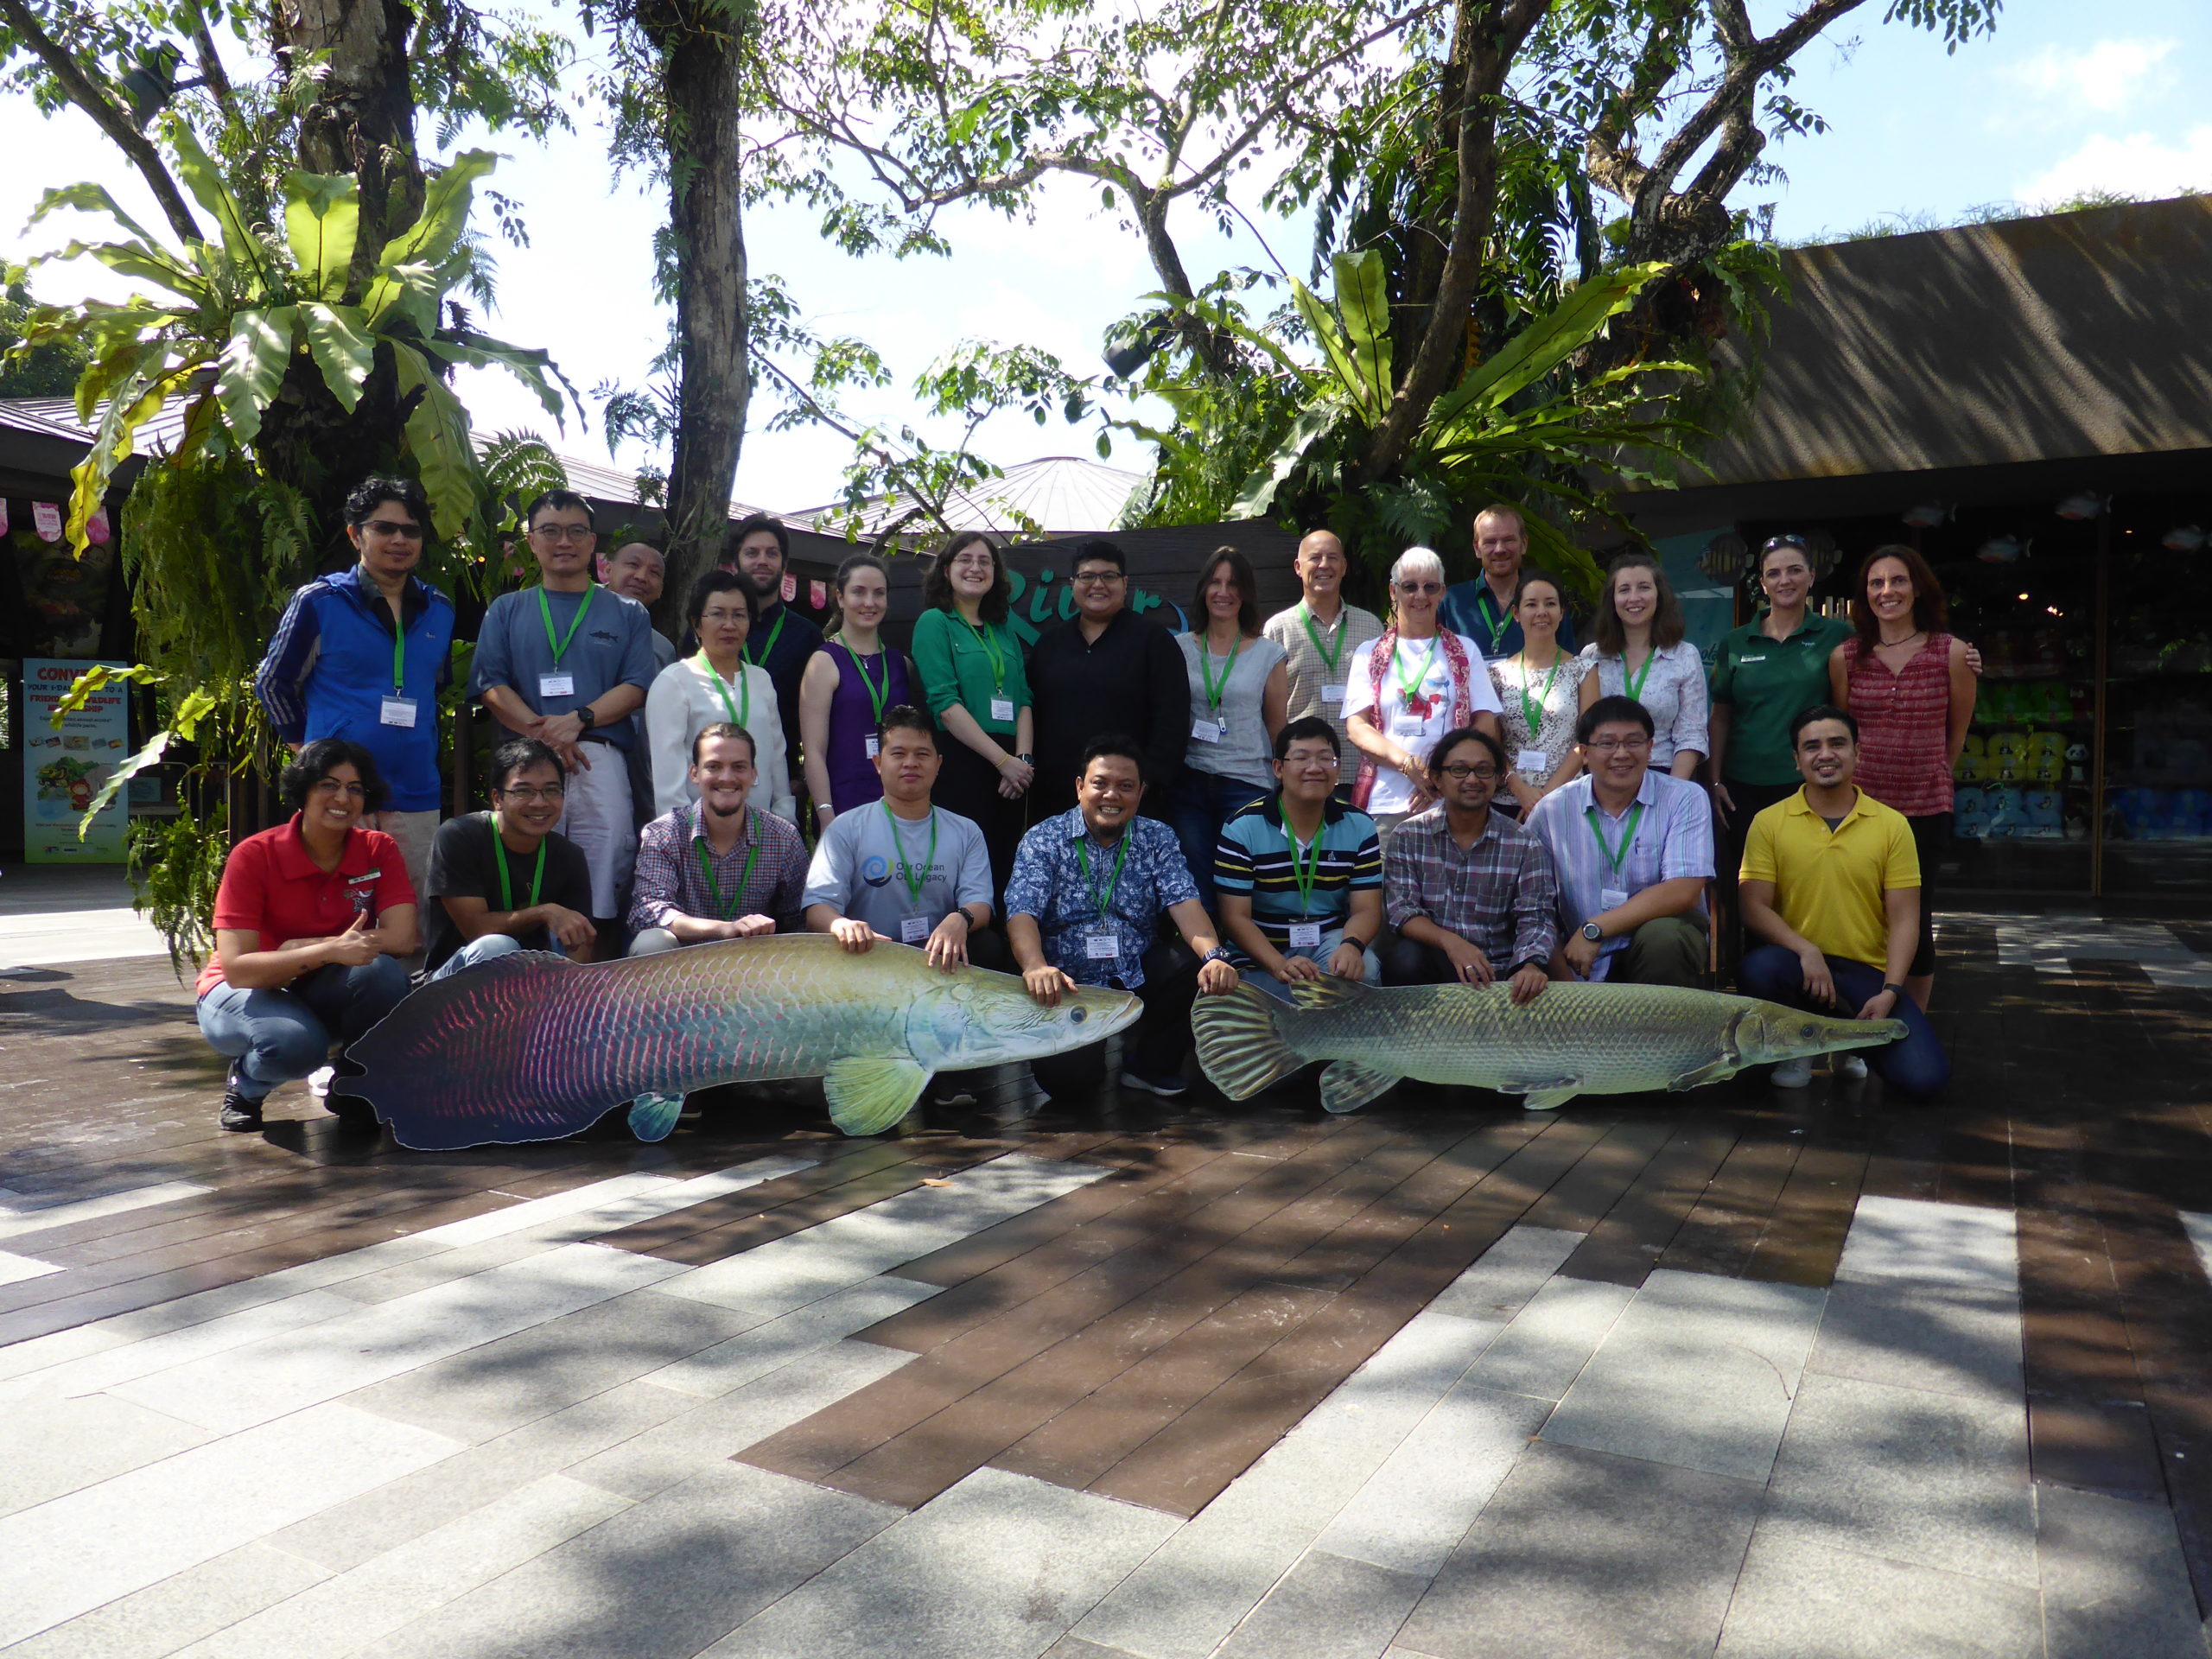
(397, 709)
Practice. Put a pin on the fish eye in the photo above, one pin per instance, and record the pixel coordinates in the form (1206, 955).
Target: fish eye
(1076, 1016)
(1805, 1031)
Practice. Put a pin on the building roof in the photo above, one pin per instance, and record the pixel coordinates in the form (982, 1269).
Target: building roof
(2068, 336)
(1062, 494)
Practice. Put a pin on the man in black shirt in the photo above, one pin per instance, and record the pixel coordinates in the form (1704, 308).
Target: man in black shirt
(782, 641)
(1108, 671)
(503, 880)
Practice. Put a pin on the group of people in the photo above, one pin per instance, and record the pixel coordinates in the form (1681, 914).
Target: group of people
(1453, 792)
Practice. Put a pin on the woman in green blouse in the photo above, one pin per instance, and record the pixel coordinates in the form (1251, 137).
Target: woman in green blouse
(970, 665)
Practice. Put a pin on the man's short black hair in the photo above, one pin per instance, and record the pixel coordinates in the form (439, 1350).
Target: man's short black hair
(557, 501)
(711, 582)
(315, 762)
(1453, 739)
(521, 754)
(719, 730)
(767, 521)
(1097, 547)
(1119, 745)
(1819, 711)
(1311, 726)
(1607, 710)
(905, 717)
(372, 493)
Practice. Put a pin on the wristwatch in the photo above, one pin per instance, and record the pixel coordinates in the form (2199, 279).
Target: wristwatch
(1894, 990)
(1026, 759)
(585, 717)
(1219, 953)
(1592, 933)
(1356, 944)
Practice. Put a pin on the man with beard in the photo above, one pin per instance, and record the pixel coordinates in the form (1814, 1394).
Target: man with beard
(717, 868)
(1483, 609)
(782, 641)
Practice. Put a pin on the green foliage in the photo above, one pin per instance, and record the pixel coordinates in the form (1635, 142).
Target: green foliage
(176, 865)
(47, 370)
(237, 313)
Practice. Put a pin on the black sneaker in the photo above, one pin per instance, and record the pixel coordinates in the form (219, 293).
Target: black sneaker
(1167, 1084)
(239, 1113)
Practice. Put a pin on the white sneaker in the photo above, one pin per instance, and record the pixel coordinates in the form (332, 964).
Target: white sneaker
(1851, 1067)
(1792, 1074)
(319, 1081)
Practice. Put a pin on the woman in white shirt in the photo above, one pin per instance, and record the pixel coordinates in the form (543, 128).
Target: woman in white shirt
(1411, 687)
(1640, 653)
(715, 686)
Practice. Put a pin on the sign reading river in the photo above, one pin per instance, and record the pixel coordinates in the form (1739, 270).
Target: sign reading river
(64, 766)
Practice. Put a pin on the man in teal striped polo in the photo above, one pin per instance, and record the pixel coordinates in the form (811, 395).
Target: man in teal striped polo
(1300, 874)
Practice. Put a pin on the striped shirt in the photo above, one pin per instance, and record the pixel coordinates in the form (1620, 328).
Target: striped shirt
(1499, 895)
(1904, 727)
(1308, 668)
(1253, 858)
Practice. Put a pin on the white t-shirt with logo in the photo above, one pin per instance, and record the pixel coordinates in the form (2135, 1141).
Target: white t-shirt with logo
(856, 867)
(1413, 725)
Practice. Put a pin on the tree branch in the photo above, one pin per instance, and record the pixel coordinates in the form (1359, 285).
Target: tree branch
(89, 96)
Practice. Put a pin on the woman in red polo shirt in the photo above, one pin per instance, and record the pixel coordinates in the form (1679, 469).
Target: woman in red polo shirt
(308, 921)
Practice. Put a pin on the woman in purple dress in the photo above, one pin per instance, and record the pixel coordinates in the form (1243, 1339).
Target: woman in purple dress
(846, 686)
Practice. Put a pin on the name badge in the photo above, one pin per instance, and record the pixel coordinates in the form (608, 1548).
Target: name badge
(1611, 898)
(914, 929)
(396, 711)
(1206, 731)
(1332, 694)
(1001, 707)
(556, 685)
(1534, 762)
(1306, 936)
(1102, 947)
(874, 746)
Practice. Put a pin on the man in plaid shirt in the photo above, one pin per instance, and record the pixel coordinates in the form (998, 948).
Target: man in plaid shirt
(716, 868)
(1472, 893)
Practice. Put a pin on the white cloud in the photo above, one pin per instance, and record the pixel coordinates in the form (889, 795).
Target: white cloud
(2110, 76)
(2140, 164)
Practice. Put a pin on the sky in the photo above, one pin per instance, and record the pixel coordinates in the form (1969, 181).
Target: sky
(2061, 99)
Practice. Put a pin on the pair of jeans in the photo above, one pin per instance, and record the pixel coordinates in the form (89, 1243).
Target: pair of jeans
(1331, 939)
(490, 948)
(274, 1036)
(1914, 1066)
(1161, 1038)
(1203, 802)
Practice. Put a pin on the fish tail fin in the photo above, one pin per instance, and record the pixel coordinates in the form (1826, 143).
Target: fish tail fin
(1346, 1087)
(1239, 1049)
(653, 1116)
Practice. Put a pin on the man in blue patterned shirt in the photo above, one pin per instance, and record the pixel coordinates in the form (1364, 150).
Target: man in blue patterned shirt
(1083, 907)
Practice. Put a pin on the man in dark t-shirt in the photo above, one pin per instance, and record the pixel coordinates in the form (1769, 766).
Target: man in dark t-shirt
(505, 873)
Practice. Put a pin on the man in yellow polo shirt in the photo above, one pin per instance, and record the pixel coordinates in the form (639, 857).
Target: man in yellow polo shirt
(1832, 882)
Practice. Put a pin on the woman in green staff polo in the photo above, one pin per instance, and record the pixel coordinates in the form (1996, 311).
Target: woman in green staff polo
(970, 665)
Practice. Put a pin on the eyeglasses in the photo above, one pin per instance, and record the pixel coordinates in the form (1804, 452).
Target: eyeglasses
(1616, 745)
(395, 530)
(718, 614)
(1487, 774)
(564, 532)
(1306, 762)
(1420, 586)
(527, 794)
(334, 786)
(1096, 578)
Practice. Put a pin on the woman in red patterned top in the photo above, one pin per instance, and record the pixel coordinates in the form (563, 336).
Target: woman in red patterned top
(1911, 688)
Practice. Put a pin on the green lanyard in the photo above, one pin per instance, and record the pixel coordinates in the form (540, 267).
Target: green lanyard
(1311, 872)
(713, 887)
(1487, 601)
(1635, 684)
(1215, 693)
(500, 857)
(878, 698)
(1615, 855)
(744, 686)
(1329, 658)
(1411, 688)
(560, 646)
(1533, 713)
(907, 871)
(399, 652)
(1105, 900)
(989, 641)
(769, 650)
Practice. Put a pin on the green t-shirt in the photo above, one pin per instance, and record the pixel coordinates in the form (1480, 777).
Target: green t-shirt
(1766, 682)
(971, 667)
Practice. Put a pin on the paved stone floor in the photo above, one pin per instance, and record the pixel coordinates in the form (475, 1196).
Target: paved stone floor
(1740, 1372)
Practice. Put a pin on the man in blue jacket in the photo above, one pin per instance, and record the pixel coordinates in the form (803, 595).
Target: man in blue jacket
(362, 654)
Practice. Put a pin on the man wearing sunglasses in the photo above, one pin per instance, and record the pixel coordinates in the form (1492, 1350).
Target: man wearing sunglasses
(361, 654)
(1633, 849)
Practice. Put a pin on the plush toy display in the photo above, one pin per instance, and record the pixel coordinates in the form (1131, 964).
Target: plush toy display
(2007, 816)
(2044, 813)
(1969, 813)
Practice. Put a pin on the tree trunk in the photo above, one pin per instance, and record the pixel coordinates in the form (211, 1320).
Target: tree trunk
(702, 63)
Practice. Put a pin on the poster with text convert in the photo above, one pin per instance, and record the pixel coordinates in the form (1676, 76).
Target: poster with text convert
(64, 766)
